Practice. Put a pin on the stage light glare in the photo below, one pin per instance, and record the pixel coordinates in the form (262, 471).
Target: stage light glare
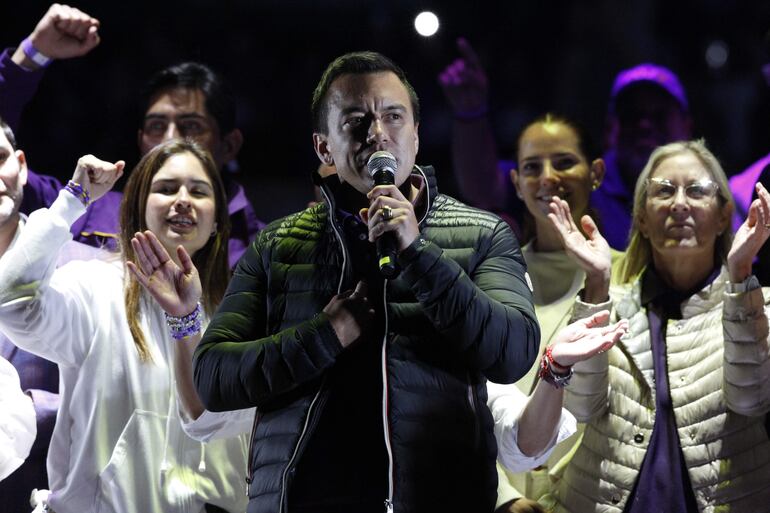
(426, 24)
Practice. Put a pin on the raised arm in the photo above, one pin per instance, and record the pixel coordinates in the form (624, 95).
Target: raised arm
(37, 313)
(62, 33)
(474, 151)
(745, 320)
(177, 289)
(588, 393)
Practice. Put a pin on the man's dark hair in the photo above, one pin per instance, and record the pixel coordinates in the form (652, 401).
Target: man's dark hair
(355, 63)
(8, 133)
(220, 100)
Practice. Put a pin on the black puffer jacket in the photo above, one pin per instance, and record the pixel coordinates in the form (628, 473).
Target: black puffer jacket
(460, 312)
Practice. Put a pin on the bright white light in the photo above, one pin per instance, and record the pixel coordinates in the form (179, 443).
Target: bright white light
(426, 23)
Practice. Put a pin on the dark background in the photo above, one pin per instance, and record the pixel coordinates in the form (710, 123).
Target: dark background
(540, 55)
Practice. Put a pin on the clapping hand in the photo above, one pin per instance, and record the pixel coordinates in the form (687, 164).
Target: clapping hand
(586, 337)
(590, 251)
(176, 288)
(750, 237)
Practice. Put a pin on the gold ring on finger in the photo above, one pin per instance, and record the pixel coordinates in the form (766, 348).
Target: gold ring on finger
(387, 213)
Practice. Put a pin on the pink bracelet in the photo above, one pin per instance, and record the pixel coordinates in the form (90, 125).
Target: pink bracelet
(547, 373)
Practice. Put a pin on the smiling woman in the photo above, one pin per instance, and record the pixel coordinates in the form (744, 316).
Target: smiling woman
(180, 206)
(557, 162)
(125, 359)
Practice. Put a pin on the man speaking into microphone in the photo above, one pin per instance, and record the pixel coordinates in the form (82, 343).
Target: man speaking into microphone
(364, 328)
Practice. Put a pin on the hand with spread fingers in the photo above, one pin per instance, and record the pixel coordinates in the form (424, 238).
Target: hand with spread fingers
(390, 211)
(590, 251)
(176, 287)
(465, 83)
(750, 237)
(585, 338)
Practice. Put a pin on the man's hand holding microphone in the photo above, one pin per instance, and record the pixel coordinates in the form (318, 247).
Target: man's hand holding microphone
(393, 227)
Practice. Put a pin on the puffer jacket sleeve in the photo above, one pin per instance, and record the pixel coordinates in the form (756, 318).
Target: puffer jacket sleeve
(586, 397)
(238, 364)
(489, 316)
(746, 364)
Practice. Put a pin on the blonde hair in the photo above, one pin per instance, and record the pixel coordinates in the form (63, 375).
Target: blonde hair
(211, 260)
(639, 251)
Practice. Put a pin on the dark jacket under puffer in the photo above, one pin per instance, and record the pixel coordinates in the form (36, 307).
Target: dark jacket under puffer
(460, 312)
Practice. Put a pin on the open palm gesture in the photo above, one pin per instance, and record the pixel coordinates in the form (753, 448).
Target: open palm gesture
(176, 289)
(750, 237)
(586, 337)
(590, 251)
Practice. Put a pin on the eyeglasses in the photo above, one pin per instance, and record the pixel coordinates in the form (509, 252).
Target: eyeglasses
(661, 190)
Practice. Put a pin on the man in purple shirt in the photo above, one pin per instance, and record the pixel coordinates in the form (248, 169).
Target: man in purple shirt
(187, 100)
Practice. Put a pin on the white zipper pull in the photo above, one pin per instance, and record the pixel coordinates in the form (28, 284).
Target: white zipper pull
(388, 506)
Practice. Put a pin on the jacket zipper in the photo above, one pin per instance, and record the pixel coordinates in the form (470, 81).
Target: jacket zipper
(297, 446)
(250, 470)
(385, 423)
(337, 234)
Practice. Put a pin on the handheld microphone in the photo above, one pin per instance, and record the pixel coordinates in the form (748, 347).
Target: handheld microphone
(382, 166)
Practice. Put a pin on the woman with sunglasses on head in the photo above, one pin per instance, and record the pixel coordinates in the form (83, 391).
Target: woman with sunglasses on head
(123, 332)
(675, 410)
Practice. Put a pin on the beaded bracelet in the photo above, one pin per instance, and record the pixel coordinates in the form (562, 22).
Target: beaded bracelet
(547, 373)
(79, 192)
(186, 326)
(34, 55)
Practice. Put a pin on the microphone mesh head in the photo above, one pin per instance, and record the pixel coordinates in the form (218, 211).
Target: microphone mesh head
(382, 161)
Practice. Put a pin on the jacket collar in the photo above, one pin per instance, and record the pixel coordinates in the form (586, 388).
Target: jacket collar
(422, 177)
(630, 301)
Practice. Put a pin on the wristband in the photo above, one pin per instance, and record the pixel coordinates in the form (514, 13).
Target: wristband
(548, 374)
(187, 325)
(746, 285)
(34, 55)
(79, 192)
